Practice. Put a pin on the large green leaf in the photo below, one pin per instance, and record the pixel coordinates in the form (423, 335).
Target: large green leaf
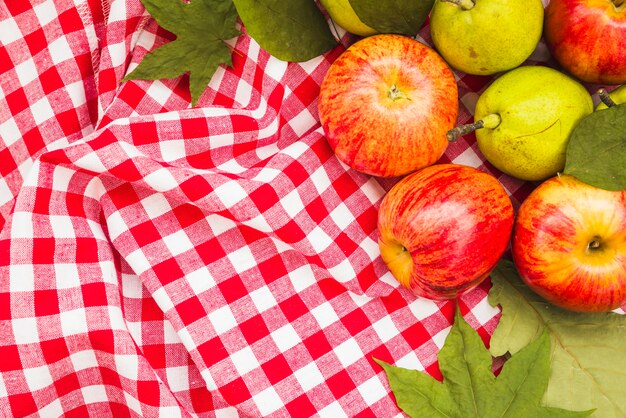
(470, 389)
(588, 349)
(290, 30)
(201, 27)
(393, 16)
(596, 152)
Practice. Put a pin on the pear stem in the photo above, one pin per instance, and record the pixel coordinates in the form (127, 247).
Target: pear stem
(454, 134)
(606, 99)
(490, 121)
(467, 4)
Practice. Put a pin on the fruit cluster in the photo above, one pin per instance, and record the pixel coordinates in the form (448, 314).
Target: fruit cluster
(389, 105)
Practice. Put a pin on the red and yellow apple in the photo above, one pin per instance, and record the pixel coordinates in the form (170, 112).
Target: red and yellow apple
(443, 229)
(569, 244)
(588, 38)
(386, 105)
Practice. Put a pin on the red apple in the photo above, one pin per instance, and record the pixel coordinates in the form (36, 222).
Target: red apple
(443, 228)
(386, 105)
(588, 38)
(569, 244)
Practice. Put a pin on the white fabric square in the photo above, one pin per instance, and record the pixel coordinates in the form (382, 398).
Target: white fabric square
(292, 203)
(259, 223)
(373, 190)
(133, 403)
(348, 352)
(162, 298)
(230, 193)
(170, 336)
(334, 410)
(208, 379)
(372, 390)
(245, 361)
(38, 377)
(76, 91)
(178, 242)
(309, 376)
(83, 360)
(263, 299)
(286, 337)
(53, 409)
(67, 276)
(177, 378)
(266, 175)
(469, 158)
(46, 12)
(9, 132)
(22, 278)
(343, 272)
(73, 322)
(222, 319)
(61, 178)
(484, 312)
(10, 32)
(410, 361)
(319, 239)
(22, 225)
(302, 122)
(385, 329)
(342, 216)
(116, 225)
(200, 280)
(302, 277)
(325, 315)
(5, 193)
(268, 401)
(127, 365)
(243, 94)
(423, 308)
(91, 162)
(62, 226)
(156, 205)
(41, 111)
(161, 180)
(26, 72)
(138, 261)
(94, 394)
(220, 224)
(25, 330)
(173, 149)
(242, 259)
(118, 54)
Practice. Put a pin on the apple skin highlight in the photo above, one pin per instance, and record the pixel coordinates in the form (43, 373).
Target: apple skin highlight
(386, 105)
(444, 228)
(569, 245)
(588, 38)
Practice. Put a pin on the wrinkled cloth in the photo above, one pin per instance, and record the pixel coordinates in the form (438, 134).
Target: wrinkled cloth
(164, 260)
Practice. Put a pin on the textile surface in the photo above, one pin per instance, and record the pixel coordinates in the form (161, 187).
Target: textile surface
(159, 260)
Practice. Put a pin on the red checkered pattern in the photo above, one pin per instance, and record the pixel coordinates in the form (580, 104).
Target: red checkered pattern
(159, 260)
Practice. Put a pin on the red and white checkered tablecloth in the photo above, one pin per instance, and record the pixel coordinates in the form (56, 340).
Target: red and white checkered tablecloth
(158, 260)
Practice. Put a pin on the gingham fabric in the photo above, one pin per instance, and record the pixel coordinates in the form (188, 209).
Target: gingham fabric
(159, 260)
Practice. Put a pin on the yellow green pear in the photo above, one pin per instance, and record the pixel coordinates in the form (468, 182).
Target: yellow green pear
(484, 37)
(524, 118)
(618, 96)
(342, 13)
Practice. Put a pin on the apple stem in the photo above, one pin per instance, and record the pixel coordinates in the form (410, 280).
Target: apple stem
(594, 244)
(606, 99)
(490, 121)
(618, 3)
(464, 4)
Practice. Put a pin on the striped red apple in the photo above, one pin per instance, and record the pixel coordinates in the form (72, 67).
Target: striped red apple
(444, 228)
(386, 105)
(569, 244)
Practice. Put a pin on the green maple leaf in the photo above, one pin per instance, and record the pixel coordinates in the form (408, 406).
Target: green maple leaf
(588, 351)
(469, 387)
(201, 28)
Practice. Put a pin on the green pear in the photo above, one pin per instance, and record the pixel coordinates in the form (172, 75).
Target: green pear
(342, 13)
(485, 37)
(524, 118)
(617, 96)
